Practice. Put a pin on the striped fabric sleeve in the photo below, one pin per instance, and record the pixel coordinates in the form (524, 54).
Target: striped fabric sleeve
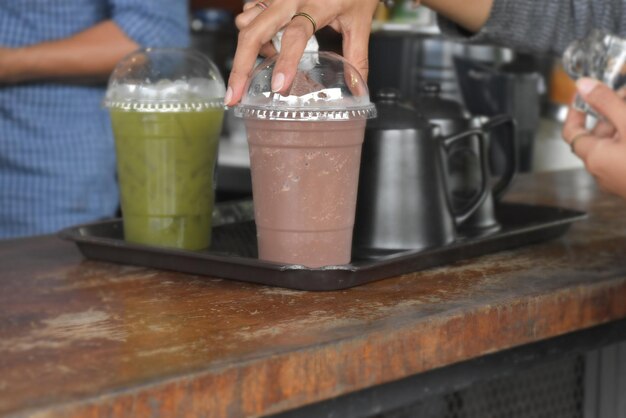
(153, 23)
(543, 26)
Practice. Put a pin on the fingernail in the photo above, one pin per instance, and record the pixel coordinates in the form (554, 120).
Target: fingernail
(585, 85)
(228, 95)
(278, 80)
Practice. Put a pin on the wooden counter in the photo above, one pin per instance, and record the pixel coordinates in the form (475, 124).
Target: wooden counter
(85, 338)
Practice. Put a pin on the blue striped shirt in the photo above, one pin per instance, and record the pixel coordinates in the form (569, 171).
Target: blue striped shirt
(57, 161)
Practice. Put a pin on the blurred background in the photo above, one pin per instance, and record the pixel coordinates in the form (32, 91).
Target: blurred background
(408, 53)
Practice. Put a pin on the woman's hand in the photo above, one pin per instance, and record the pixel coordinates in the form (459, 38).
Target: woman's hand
(602, 149)
(259, 23)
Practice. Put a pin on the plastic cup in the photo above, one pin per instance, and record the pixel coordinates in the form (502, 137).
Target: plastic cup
(601, 56)
(166, 109)
(305, 153)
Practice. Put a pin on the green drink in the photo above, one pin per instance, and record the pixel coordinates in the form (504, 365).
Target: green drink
(166, 163)
(166, 107)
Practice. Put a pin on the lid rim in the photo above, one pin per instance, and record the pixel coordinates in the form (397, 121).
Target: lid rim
(164, 106)
(165, 101)
(325, 87)
(306, 115)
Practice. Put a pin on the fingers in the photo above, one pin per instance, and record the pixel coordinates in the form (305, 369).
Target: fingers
(250, 12)
(355, 47)
(353, 18)
(294, 41)
(601, 158)
(356, 33)
(268, 50)
(248, 5)
(602, 150)
(604, 100)
(574, 124)
(575, 134)
(604, 129)
(583, 144)
(245, 58)
(251, 39)
(606, 163)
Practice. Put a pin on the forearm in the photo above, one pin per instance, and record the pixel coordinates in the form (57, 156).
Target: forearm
(87, 56)
(531, 25)
(469, 14)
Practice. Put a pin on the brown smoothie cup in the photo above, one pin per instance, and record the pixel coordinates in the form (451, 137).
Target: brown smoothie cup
(305, 153)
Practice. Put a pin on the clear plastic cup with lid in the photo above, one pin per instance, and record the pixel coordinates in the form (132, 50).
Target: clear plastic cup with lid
(305, 153)
(166, 109)
(602, 56)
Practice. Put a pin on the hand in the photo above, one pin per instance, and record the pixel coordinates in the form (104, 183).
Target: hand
(352, 18)
(602, 149)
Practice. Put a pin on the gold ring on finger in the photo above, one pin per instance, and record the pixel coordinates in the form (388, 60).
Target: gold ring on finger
(307, 16)
(572, 143)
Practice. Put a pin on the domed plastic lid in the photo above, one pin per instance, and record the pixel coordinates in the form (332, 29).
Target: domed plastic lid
(165, 80)
(326, 88)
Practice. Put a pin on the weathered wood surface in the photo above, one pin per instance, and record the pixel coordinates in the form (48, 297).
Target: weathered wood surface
(85, 338)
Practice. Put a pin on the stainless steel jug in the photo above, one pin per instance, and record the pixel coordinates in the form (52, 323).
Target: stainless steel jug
(462, 164)
(404, 200)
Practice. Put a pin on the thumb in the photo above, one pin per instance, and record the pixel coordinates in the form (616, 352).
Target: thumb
(604, 100)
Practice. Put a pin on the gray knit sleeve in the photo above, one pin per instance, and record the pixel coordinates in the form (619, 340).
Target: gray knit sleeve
(543, 25)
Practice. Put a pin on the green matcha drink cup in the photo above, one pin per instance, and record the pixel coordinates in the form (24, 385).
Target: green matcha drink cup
(166, 109)
(305, 153)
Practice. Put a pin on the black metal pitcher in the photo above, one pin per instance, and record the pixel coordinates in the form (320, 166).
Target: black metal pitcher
(464, 161)
(404, 199)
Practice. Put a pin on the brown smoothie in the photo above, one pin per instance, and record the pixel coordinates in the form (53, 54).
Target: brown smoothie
(304, 183)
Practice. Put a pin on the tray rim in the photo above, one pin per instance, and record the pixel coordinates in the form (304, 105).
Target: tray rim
(324, 278)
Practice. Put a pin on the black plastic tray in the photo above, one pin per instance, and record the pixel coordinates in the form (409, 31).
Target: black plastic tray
(233, 252)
